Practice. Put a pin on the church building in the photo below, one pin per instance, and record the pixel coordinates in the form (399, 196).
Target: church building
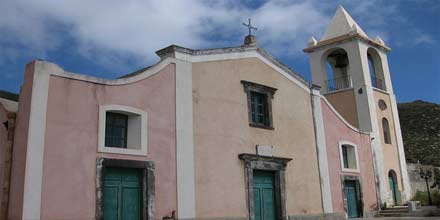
(225, 133)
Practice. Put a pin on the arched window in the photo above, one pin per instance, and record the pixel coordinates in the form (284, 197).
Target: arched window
(336, 66)
(386, 131)
(375, 67)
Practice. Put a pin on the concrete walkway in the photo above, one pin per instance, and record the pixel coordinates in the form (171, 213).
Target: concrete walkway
(398, 218)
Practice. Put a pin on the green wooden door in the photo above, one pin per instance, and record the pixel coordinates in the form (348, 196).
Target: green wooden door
(352, 198)
(393, 188)
(264, 195)
(122, 194)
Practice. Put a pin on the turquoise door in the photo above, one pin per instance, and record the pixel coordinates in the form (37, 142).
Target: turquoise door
(393, 188)
(122, 194)
(352, 198)
(264, 195)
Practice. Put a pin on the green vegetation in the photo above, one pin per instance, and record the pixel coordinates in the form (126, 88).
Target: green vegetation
(423, 197)
(420, 124)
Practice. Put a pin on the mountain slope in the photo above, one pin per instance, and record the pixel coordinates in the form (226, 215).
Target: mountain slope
(420, 124)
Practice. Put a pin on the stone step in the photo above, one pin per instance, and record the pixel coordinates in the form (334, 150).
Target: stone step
(394, 211)
(392, 214)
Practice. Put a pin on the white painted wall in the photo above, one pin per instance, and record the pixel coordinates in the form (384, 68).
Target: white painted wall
(35, 142)
(185, 141)
(322, 152)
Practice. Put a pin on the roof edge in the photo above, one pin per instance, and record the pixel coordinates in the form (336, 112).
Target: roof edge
(346, 37)
(9, 95)
(172, 49)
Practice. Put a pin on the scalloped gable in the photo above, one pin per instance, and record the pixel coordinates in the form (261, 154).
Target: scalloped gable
(238, 52)
(341, 24)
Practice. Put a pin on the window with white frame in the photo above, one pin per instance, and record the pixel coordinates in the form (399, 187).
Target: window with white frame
(122, 130)
(349, 157)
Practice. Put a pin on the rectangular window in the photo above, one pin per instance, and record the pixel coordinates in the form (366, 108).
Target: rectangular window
(259, 109)
(345, 156)
(349, 159)
(259, 100)
(116, 130)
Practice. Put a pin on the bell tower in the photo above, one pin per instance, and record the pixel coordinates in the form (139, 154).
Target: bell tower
(352, 71)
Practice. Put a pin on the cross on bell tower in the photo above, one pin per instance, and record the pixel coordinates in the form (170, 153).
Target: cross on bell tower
(250, 40)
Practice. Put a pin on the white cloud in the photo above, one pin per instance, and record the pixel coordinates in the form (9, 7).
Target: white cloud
(423, 38)
(140, 27)
(110, 31)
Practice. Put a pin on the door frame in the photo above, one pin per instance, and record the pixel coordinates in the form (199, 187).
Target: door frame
(394, 190)
(275, 164)
(358, 181)
(148, 190)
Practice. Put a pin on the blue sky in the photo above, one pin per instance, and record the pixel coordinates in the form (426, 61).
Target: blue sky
(117, 37)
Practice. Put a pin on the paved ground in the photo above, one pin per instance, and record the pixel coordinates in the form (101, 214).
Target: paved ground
(399, 218)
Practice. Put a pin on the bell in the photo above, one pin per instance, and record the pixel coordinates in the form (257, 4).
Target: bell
(341, 61)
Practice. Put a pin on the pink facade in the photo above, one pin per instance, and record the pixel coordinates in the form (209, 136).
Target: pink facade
(71, 142)
(20, 146)
(60, 130)
(337, 131)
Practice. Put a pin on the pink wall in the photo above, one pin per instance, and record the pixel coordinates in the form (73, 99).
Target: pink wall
(336, 130)
(69, 169)
(19, 148)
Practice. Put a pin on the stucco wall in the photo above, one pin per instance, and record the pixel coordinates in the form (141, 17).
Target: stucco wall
(417, 183)
(222, 132)
(20, 146)
(390, 151)
(345, 103)
(71, 141)
(335, 131)
(4, 144)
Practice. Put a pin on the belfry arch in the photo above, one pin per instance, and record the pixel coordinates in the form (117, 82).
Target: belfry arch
(375, 68)
(336, 66)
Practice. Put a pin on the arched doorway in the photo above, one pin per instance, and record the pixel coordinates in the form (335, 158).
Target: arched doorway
(393, 185)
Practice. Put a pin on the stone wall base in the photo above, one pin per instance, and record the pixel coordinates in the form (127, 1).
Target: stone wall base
(326, 216)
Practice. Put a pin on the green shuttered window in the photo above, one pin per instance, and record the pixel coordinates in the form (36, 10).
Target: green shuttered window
(259, 109)
(116, 130)
(259, 99)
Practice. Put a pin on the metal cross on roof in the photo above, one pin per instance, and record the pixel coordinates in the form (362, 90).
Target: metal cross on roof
(249, 26)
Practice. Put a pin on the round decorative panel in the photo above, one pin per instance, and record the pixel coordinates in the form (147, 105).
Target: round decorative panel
(382, 105)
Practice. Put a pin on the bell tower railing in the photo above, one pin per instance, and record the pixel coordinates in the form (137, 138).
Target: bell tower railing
(339, 83)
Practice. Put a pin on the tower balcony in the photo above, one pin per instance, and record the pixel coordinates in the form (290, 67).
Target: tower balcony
(339, 83)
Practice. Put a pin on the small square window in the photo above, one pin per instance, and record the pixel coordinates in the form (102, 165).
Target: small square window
(259, 98)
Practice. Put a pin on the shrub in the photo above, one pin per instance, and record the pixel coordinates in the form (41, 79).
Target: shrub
(423, 197)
